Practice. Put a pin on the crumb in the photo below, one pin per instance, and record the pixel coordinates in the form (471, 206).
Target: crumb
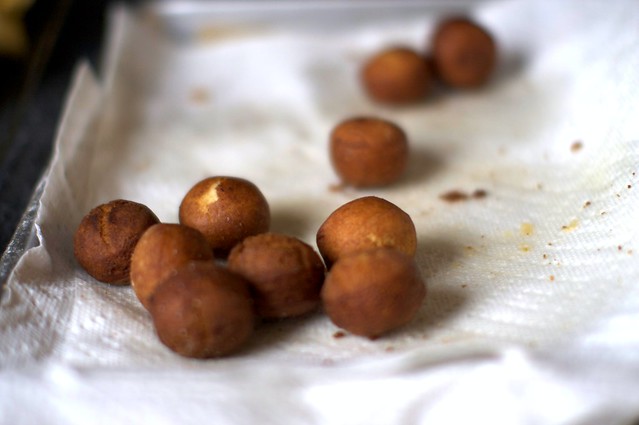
(540, 186)
(337, 187)
(618, 195)
(524, 248)
(389, 349)
(630, 252)
(619, 248)
(464, 285)
(552, 278)
(339, 334)
(481, 193)
(587, 204)
(454, 196)
(458, 195)
(576, 146)
(604, 213)
(545, 256)
(200, 95)
(469, 248)
(549, 243)
(629, 186)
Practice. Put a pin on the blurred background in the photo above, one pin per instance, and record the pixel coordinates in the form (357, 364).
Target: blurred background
(40, 43)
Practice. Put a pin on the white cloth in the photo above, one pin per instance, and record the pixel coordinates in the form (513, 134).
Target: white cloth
(533, 304)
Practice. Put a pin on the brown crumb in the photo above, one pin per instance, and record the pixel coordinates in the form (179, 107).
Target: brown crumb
(454, 196)
(337, 187)
(549, 243)
(629, 186)
(339, 334)
(458, 195)
(587, 204)
(576, 146)
(630, 252)
(389, 349)
(200, 95)
(481, 193)
(620, 248)
(540, 186)
(552, 278)
(545, 256)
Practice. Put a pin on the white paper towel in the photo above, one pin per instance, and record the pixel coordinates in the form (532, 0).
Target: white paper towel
(534, 290)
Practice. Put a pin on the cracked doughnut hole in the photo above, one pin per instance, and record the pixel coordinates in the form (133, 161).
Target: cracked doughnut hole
(226, 210)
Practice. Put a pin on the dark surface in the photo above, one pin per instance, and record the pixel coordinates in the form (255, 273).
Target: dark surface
(32, 93)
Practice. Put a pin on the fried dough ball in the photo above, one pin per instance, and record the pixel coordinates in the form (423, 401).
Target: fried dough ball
(464, 53)
(285, 274)
(106, 237)
(396, 76)
(367, 222)
(226, 210)
(203, 311)
(367, 151)
(372, 292)
(161, 250)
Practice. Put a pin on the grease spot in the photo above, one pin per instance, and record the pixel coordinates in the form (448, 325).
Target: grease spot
(574, 223)
(526, 229)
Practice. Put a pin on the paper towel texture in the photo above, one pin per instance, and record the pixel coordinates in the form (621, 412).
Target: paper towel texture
(545, 263)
